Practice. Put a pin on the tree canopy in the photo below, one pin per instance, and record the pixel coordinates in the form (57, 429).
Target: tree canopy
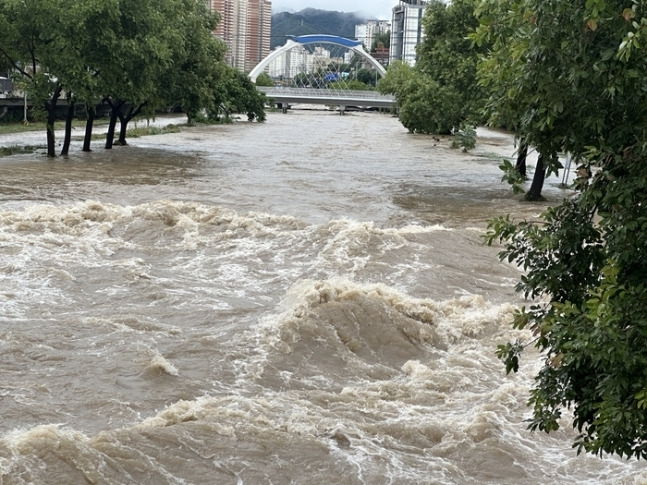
(441, 92)
(381, 40)
(137, 55)
(571, 76)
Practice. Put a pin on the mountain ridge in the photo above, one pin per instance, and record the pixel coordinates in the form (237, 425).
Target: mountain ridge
(314, 21)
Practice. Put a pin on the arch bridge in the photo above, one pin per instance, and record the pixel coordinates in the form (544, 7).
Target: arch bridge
(286, 96)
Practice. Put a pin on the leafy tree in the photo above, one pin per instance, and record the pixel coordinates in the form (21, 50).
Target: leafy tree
(449, 57)
(383, 40)
(30, 44)
(578, 77)
(398, 74)
(441, 92)
(421, 101)
(351, 84)
(5, 65)
(197, 59)
(367, 76)
(502, 25)
(264, 79)
(236, 93)
(301, 80)
(81, 26)
(141, 52)
(123, 52)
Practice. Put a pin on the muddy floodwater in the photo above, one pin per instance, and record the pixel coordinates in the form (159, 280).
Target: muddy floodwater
(303, 301)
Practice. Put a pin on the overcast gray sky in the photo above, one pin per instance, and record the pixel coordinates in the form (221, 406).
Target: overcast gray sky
(380, 9)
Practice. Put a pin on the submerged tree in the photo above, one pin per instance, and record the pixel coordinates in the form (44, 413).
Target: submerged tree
(441, 92)
(577, 79)
(141, 51)
(30, 45)
(381, 40)
(122, 52)
(236, 93)
(197, 61)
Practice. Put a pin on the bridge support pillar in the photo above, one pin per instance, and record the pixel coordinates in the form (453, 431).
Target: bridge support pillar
(342, 108)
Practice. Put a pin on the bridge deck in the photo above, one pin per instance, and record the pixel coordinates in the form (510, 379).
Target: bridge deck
(342, 98)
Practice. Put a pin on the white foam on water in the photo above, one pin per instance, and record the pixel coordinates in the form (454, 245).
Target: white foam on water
(454, 403)
(273, 336)
(159, 363)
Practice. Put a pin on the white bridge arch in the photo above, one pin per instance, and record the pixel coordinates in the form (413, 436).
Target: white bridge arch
(354, 45)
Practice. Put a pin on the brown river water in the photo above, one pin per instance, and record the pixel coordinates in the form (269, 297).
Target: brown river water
(303, 301)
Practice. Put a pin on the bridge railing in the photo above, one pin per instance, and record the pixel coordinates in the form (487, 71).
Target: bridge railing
(324, 93)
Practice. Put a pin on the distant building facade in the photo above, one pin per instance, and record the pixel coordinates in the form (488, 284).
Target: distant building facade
(366, 33)
(245, 26)
(406, 30)
(301, 60)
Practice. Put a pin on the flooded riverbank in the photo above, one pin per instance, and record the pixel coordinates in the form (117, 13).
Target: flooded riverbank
(301, 301)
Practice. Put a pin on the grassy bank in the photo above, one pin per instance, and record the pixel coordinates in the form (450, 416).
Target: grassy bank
(13, 128)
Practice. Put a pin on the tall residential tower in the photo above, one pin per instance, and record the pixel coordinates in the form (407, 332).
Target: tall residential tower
(406, 30)
(245, 26)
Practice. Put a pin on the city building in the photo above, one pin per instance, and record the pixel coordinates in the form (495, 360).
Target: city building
(370, 30)
(301, 60)
(406, 30)
(245, 26)
(287, 66)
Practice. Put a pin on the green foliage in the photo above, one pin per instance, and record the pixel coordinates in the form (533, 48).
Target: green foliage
(424, 105)
(510, 353)
(512, 176)
(301, 80)
(585, 264)
(123, 51)
(448, 57)
(15, 149)
(236, 93)
(383, 40)
(558, 65)
(441, 92)
(351, 84)
(465, 138)
(264, 79)
(398, 74)
(198, 63)
(152, 130)
(572, 76)
(369, 77)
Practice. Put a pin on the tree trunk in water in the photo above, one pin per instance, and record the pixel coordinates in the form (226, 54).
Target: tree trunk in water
(50, 107)
(87, 139)
(521, 159)
(534, 193)
(125, 118)
(114, 114)
(68, 127)
(123, 126)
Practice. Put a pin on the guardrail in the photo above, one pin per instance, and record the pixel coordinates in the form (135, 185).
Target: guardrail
(325, 93)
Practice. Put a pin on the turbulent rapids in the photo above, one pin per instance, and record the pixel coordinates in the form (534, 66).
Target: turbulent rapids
(303, 301)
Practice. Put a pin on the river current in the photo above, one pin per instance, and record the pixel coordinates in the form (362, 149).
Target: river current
(302, 301)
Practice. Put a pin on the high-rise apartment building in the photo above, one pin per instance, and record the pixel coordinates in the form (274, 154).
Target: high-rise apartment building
(406, 30)
(371, 29)
(260, 31)
(245, 26)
